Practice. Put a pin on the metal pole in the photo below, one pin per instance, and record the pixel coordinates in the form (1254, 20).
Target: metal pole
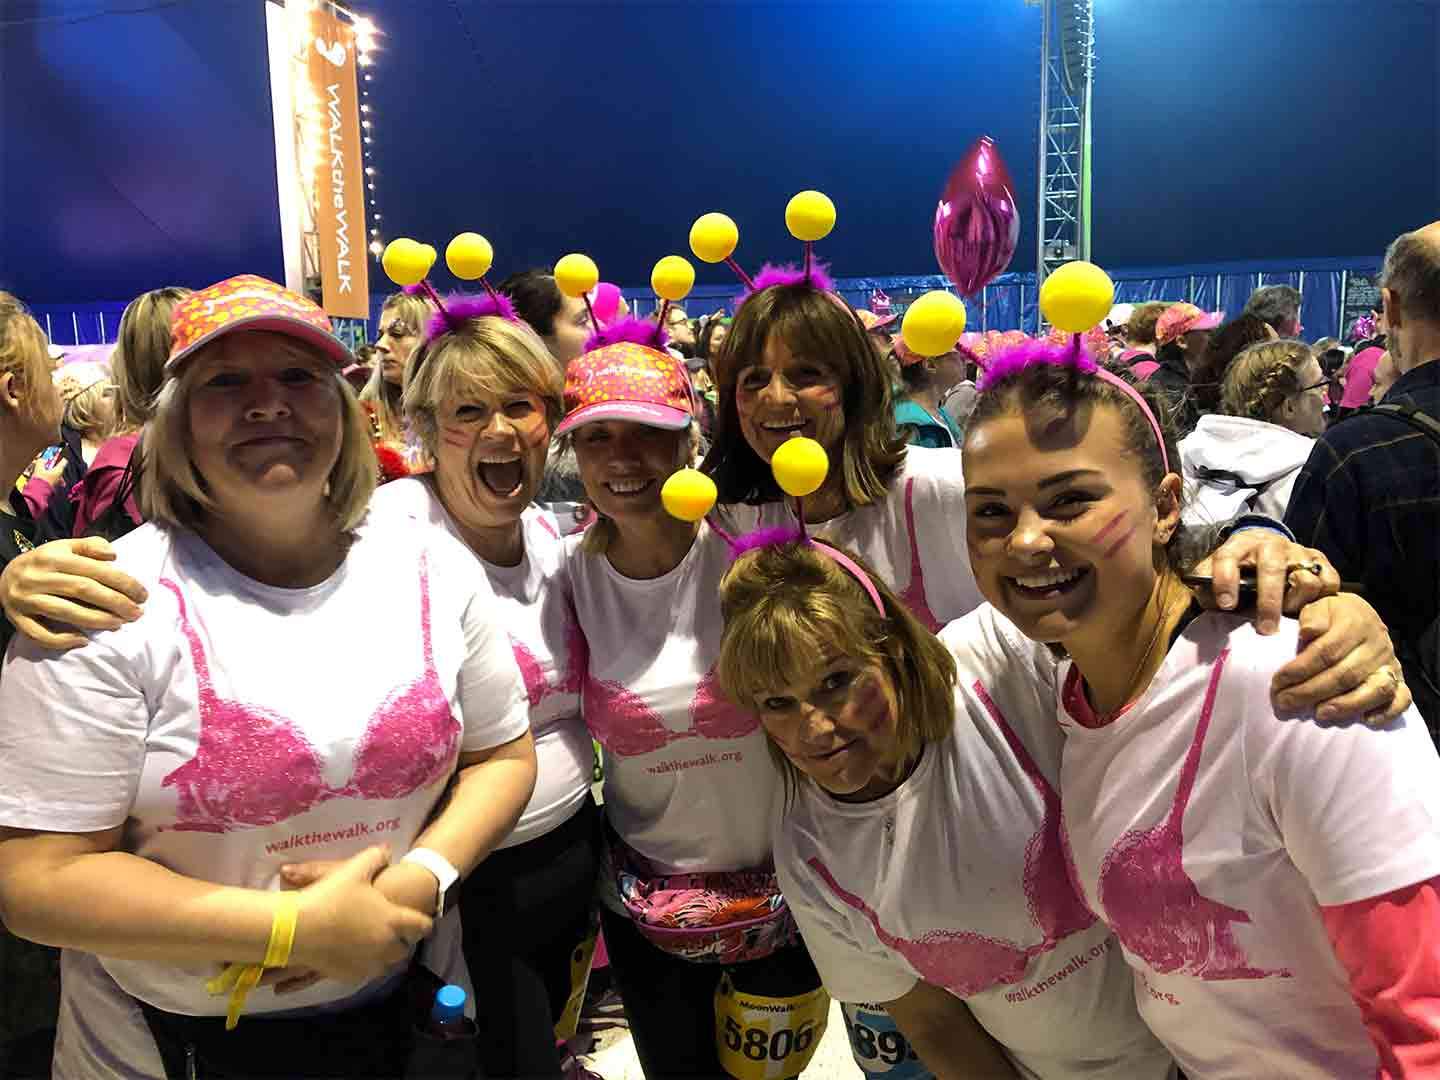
(101, 316)
(1085, 147)
(1191, 297)
(75, 325)
(984, 307)
(1344, 284)
(49, 330)
(1042, 183)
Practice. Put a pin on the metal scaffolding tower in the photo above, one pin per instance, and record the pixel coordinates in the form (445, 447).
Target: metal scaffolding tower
(1067, 64)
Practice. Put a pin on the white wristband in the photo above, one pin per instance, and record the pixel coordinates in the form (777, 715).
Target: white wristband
(445, 873)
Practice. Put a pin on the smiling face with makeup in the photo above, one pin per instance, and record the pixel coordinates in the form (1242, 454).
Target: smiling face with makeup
(623, 465)
(490, 454)
(1065, 534)
(784, 395)
(837, 725)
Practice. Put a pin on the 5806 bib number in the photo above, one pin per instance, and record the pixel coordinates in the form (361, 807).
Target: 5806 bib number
(767, 1038)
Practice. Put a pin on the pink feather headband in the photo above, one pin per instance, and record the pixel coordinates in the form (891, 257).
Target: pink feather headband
(1074, 357)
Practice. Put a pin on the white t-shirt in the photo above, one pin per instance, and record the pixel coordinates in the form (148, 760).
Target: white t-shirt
(1207, 833)
(958, 878)
(535, 608)
(913, 537)
(689, 782)
(236, 727)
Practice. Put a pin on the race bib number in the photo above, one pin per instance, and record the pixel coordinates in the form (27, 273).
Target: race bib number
(581, 959)
(879, 1048)
(767, 1038)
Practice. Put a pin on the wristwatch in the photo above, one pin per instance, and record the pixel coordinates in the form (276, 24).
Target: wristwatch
(445, 874)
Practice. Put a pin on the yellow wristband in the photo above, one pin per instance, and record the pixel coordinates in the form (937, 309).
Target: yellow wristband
(282, 930)
(240, 979)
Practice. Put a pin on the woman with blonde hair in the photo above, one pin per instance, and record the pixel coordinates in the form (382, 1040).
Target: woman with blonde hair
(184, 759)
(30, 409)
(1247, 457)
(910, 756)
(483, 399)
(105, 500)
(403, 318)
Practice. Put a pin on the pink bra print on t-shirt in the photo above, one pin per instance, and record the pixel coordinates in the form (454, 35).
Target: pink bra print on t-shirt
(1152, 904)
(255, 768)
(569, 681)
(626, 726)
(963, 961)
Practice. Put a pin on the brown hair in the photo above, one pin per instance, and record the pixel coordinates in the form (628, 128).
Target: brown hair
(141, 348)
(1044, 389)
(787, 605)
(1225, 345)
(821, 327)
(1263, 377)
(1140, 329)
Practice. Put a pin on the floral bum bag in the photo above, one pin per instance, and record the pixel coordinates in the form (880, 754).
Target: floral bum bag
(723, 917)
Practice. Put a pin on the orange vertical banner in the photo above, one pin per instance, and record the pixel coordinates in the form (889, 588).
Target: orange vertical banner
(340, 176)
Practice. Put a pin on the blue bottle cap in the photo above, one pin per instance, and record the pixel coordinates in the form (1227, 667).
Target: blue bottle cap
(449, 1004)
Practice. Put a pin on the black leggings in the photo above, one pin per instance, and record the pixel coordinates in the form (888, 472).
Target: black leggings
(525, 910)
(670, 1002)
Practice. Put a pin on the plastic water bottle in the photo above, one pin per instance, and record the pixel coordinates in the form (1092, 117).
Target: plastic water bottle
(447, 1014)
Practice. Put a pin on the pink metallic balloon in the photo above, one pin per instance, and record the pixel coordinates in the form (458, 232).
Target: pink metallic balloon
(977, 223)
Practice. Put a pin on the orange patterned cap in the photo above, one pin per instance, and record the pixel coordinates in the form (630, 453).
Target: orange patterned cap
(627, 381)
(250, 302)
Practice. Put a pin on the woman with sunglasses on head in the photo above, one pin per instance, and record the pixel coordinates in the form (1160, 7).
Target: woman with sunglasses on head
(175, 763)
(1273, 881)
(1247, 458)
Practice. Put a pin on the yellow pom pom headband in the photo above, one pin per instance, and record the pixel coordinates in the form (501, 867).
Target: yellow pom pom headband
(800, 466)
(810, 216)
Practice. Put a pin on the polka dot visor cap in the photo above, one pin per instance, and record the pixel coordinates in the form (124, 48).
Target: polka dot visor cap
(249, 302)
(627, 381)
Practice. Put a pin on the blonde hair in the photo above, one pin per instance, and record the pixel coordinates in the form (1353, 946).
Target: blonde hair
(786, 606)
(142, 346)
(1263, 377)
(23, 344)
(173, 493)
(386, 397)
(86, 412)
(488, 355)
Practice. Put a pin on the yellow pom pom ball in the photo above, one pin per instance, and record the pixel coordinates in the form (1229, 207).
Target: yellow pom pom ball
(1076, 297)
(576, 275)
(406, 262)
(688, 495)
(800, 466)
(713, 238)
(933, 323)
(810, 216)
(673, 278)
(469, 256)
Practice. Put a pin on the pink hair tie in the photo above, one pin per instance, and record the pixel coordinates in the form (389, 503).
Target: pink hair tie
(1139, 399)
(1033, 353)
(851, 567)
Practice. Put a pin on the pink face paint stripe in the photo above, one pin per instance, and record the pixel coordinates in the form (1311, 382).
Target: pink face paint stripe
(1118, 544)
(1110, 527)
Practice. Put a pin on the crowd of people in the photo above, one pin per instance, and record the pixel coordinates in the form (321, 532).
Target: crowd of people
(1040, 733)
